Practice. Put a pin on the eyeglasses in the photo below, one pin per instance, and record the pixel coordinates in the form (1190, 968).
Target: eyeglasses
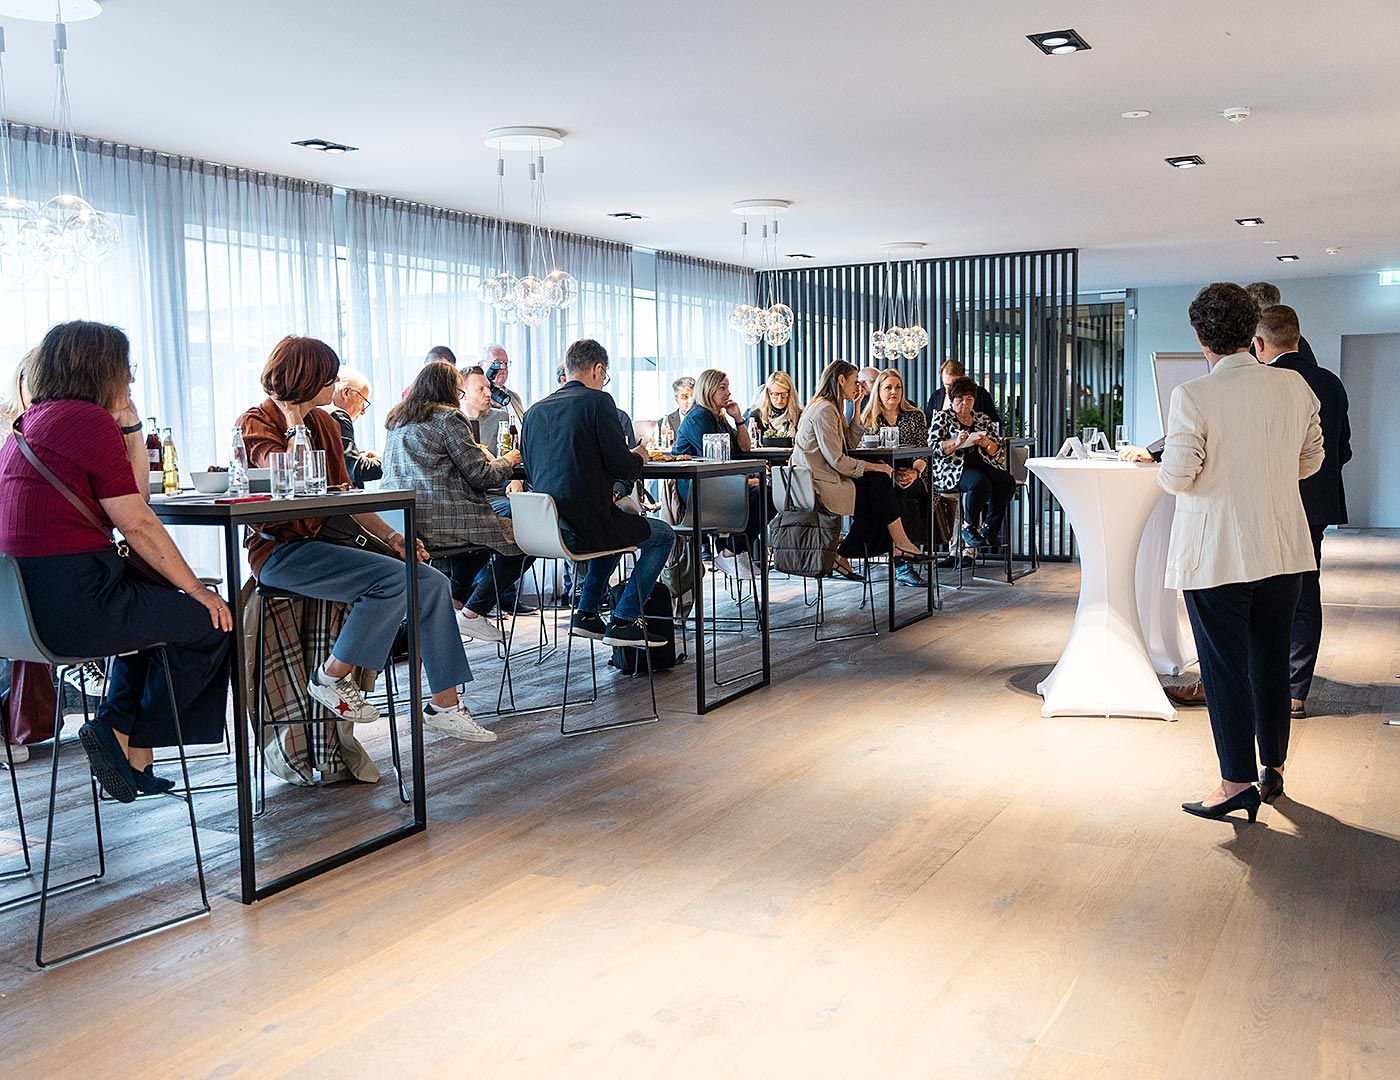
(359, 395)
(133, 367)
(461, 394)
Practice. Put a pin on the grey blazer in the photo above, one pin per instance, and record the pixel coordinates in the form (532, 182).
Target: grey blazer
(451, 477)
(820, 445)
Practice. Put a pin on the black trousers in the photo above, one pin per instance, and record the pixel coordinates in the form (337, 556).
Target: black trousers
(877, 507)
(1307, 624)
(914, 510)
(476, 589)
(987, 493)
(1242, 639)
(91, 605)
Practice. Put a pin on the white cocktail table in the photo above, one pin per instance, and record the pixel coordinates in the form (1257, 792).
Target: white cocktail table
(1104, 669)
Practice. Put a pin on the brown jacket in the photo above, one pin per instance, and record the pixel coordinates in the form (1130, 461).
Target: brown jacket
(265, 432)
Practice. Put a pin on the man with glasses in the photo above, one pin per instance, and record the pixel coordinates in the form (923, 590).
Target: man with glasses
(574, 450)
(496, 364)
(348, 404)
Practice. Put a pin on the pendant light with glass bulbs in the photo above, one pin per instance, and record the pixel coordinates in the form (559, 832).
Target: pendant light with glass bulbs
(15, 214)
(532, 297)
(68, 232)
(897, 337)
(769, 323)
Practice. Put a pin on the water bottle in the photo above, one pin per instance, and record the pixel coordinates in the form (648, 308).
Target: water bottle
(300, 451)
(237, 464)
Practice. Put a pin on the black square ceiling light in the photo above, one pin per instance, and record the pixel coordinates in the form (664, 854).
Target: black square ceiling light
(1058, 42)
(1186, 161)
(325, 146)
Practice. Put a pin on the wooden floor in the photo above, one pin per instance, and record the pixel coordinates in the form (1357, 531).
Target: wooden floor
(886, 865)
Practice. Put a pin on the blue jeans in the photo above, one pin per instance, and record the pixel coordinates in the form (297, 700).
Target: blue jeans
(374, 587)
(651, 560)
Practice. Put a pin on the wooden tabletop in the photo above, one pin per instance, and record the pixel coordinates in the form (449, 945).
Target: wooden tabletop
(204, 509)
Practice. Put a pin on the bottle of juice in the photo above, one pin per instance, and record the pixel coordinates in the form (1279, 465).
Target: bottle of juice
(170, 465)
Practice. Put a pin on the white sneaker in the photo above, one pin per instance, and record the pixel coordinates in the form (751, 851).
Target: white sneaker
(479, 629)
(457, 722)
(17, 752)
(744, 566)
(344, 699)
(88, 677)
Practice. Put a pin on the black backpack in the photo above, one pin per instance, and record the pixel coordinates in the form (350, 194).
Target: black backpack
(628, 659)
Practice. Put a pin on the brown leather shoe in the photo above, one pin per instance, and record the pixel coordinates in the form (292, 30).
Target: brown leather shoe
(1299, 709)
(1187, 693)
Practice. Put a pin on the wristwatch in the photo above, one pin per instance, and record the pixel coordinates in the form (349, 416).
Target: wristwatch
(133, 429)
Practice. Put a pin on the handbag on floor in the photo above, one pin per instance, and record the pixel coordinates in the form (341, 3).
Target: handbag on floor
(804, 541)
(628, 659)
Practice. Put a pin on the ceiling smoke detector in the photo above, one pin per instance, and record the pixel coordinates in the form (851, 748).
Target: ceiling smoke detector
(1236, 114)
(1334, 251)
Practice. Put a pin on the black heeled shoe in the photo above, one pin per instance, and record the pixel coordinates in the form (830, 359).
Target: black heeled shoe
(148, 783)
(1246, 800)
(1270, 784)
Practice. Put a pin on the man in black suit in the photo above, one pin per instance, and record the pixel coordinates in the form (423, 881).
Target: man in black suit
(1267, 296)
(949, 373)
(574, 450)
(1324, 498)
(348, 404)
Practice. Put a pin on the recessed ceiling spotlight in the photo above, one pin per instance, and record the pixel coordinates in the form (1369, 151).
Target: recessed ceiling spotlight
(1249, 222)
(1135, 114)
(1186, 161)
(1270, 241)
(1058, 42)
(625, 215)
(1287, 258)
(1334, 251)
(800, 255)
(325, 146)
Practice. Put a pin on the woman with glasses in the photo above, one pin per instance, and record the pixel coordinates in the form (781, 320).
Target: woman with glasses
(889, 407)
(299, 377)
(775, 414)
(74, 467)
(430, 449)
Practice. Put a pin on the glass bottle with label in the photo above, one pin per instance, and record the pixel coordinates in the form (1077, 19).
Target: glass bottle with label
(169, 463)
(153, 448)
(300, 451)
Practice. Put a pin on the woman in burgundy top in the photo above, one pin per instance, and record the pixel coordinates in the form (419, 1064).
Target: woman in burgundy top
(83, 598)
(300, 377)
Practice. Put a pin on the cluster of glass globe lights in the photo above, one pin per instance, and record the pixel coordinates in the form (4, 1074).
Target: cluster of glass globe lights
(529, 299)
(67, 232)
(754, 323)
(898, 342)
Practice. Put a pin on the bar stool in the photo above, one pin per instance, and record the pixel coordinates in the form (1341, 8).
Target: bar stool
(535, 519)
(20, 641)
(793, 490)
(726, 503)
(264, 594)
(27, 868)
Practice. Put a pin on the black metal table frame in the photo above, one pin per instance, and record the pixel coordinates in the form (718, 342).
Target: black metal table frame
(230, 517)
(894, 456)
(694, 471)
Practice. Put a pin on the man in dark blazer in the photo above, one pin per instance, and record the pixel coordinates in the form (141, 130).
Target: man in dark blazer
(574, 450)
(348, 404)
(949, 373)
(1277, 343)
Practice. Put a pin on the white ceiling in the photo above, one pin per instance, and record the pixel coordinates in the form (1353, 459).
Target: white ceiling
(932, 120)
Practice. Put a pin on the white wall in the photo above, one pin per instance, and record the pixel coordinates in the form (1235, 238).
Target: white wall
(1371, 371)
(1328, 308)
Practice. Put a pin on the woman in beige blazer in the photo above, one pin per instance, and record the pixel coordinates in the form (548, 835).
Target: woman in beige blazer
(861, 490)
(1238, 441)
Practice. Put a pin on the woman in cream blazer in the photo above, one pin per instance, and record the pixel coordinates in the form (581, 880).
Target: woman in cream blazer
(1238, 441)
(861, 490)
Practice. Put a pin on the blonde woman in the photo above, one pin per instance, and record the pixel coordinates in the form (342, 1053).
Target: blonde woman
(717, 413)
(862, 490)
(890, 407)
(775, 414)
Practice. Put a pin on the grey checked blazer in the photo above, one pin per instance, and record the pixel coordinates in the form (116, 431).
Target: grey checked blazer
(451, 477)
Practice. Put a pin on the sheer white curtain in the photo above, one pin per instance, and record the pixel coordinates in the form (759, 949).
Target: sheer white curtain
(414, 272)
(215, 265)
(694, 298)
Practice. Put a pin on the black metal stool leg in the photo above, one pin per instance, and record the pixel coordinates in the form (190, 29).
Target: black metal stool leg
(28, 868)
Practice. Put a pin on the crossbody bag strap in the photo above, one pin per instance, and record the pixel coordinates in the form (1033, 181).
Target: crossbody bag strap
(58, 485)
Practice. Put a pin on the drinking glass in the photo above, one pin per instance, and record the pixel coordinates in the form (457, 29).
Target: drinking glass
(889, 437)
(316, 483)
(1120, 437)
(1087, 436)
(280, 475)
(716, 447)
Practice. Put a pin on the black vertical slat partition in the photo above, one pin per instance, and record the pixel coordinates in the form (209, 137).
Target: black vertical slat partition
(1013, 319)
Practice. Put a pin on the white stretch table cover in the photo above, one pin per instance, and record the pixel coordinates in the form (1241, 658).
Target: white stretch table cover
(1160, 609)
(1104, 669)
